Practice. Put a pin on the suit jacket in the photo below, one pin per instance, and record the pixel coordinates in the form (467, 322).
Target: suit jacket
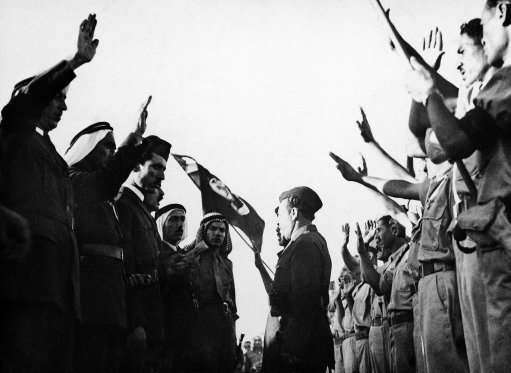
(102, 279)
(299, 297)
(141, 244)
(34, 182)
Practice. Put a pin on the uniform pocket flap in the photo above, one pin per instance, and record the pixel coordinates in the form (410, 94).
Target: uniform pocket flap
(479, 217)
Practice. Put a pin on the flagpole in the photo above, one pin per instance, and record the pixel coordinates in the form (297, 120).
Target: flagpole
(251, 248)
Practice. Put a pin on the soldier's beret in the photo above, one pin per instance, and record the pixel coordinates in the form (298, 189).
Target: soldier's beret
(308, 199)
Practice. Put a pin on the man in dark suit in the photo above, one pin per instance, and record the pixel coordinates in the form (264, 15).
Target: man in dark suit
(141, 248)
(40, 295)
(299, 291)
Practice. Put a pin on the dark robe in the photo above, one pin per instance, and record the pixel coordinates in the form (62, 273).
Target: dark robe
(213, 333)
(300, 340)
(99, 237)
(178, 309)
(40, 295)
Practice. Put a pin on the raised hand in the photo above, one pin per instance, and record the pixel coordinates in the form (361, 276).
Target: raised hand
(433, 48)
(369, 231)
(347, 171)
(345, 235)
(142, 120)
(361, 247)
(420, 83)
(362, 170)
(365, 128)
(86, 45)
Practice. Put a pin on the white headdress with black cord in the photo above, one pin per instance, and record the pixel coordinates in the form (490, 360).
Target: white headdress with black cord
(85, 141)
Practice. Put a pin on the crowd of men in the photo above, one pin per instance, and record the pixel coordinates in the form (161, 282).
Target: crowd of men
(94, 278)
(440, 299)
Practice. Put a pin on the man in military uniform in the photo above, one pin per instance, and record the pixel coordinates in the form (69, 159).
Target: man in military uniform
(141, 248)
(40, 293)
(361, 298)
(299, 292)
(348, 348)
(484, 128)
(396, 282)
(96, 175)
(439, 320)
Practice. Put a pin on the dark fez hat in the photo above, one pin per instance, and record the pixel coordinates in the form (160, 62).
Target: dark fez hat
(308, 199)
(156, 145)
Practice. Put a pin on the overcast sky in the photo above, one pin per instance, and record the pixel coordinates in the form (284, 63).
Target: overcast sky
(258, 91)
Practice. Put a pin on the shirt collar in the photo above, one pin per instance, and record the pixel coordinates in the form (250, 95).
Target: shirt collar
(135, 190)
(39, 131)
(397, 253)
(174, 248)
(298, 232)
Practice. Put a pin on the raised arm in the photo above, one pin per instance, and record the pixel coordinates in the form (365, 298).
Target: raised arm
(104, 183)
(34, 94)
(349, 261)
(376, 185)
(448, 129)
(371, 276)
(367, 135)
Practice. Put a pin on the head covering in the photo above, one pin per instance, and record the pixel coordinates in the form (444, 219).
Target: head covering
(205, 222)
(167, 211)
(154, 144)
(306, 199)
(85, 141)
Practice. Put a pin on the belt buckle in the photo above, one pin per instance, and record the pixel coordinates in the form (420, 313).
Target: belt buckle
(225, 307)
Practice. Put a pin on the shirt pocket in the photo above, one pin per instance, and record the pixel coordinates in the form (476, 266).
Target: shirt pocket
(434, 224)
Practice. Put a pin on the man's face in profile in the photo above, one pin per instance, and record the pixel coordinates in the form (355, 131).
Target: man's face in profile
(152, 172)
(495, 39)
(51, 115)
(472, 62)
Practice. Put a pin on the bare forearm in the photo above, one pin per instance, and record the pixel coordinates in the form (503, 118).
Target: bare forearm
(399, 169)
(349, 260)
(402, 189)
(371, 276)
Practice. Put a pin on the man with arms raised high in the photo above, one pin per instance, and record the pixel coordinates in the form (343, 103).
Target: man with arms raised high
(485, 128)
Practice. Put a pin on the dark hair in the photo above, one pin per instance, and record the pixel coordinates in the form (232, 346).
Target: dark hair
(492, 3)
(473, 29)
(386, 220)
(389, 221)
(302, 207)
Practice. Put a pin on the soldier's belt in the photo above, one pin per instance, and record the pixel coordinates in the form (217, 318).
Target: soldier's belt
(361, 332)
(399, 317)
(347, 335)
(108, 251)
(429, 268)
(142, 279)
(378, 321)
